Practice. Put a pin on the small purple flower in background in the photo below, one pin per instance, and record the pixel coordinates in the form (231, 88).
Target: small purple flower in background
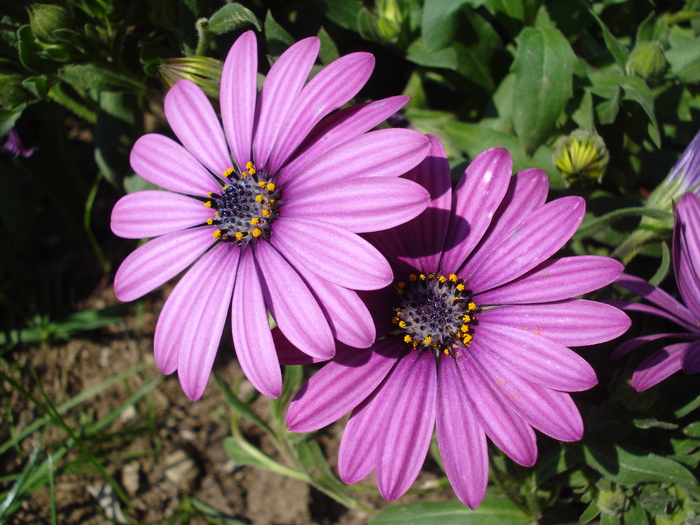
(686, 266)
(476, 325)
(268, 210)
(14, 146)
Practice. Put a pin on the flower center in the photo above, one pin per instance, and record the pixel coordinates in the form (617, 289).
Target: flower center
(435, 312)
(246, 207)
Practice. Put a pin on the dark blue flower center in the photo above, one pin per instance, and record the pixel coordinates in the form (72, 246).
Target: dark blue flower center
(246, 207)
(435, 312)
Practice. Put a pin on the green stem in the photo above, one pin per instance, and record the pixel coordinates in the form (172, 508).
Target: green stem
(203, 37)
(634, 244)
(87, 225)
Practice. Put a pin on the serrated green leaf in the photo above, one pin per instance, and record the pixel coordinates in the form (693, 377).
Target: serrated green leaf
(543, 68)
(93, 76)
(494, 510)
(637, 90)
(231, 17)
(630, 467)
(30, 52)
(439, 22)
(278, 39)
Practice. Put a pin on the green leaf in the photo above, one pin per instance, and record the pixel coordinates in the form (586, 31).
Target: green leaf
(439, 22)
(243, 453)
(445, 58)
(543, 67)
(510, 13)
(684, 60)
(645, 31)
(278, 40)
(117, 123)
(494, 510)
(607, 111)
(316, 466)
(8, 118)
(368, 26)
(30, 52)
(329, 51)
(232, 17)
(630, 467)
(618, 51)
(343, 12)
(92, 76)
(637, 91)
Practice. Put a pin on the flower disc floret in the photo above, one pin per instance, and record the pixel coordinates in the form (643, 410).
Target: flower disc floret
(245, 208)
(435, 312)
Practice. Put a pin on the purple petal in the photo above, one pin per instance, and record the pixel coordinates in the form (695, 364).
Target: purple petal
(529, 244)
(527, 191)
(631, 344)
(461, 439)
(572, 322)
(204, 321)
(333, 253)
(360, 205)
(332, 87)
(656, 295)
(381, 153)
(192, 118)
(158, 261)
(475, 200)
(282, 85)
(151, 213)
(659, 366)
(536, 358)
(549, 411)
(555, 280)
(238, 91)
(405, 436)
(167, 164)
(645, 308)
(691, 359)
(341, 385)
(251, 331)
(338, 128)
(507, 430)
(686, 251)
(688, 282)
(175, 312)
(292, 305)
(347, 315)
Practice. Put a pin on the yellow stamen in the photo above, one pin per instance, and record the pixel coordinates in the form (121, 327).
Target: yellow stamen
(471, 306)
(442, 278)
(249, 165)
(210, 221)
(262, 183)
(270, 187)
(466, 339)
(402, 324)
(257, 232)
(239, 236)
(460, 287)
(207, 204)
(254, 221)
(466, 318)
(259, 198)
(395, 320)
(265, 213)
(217, 234)
(464, 328)
(228, 172)
(453, 278)
(210, 194)
(406, 338)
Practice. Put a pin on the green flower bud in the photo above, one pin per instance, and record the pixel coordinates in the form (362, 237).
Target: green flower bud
(647, 60)
(12, 93)
(581, 157)
(44, 19)
(203, 71)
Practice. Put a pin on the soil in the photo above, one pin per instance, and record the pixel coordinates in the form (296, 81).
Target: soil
(165, 452)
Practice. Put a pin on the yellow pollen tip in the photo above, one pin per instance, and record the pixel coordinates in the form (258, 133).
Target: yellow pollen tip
(210, 221)
(252, 171)
(422, 277)
(460, 287)
(249, 165)
(406, 338)
(216, 234)
(453, 277)
(270, 187)
(223, 188)
(210, 194)
(254, 221)
(466, 318)
(257, 232)
(442, 278)
(244, 175)
(395, 320)
(262, 183)
(464, 328)
(446, 351)
(259, 198)
(428, 340)
(402, 324)
(471, 306)
(216, 213)
(265, 213)
(466, 339)
(228, 172)
(207, 204)
(239, 236)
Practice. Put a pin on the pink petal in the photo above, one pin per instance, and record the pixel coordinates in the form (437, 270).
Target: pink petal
(503, 426)
(536, 358)
(461, 439)
(659, 366)
(238, 91)
(555, 280)
(360, 205)
(192, 118)
(282, 85)
(572, 322)
(251, 331)
(527, 191)
(549, 411)
(292, 305)
(691, 359)
(534, 241)
(338, 128)
(332, 87)
(152, 213)
(341, 385)
(333, 253)
(167, 164)
(158, 261)
(204, 321)
(381, 153)
(631, 344)
(475, 201)
(406, 434)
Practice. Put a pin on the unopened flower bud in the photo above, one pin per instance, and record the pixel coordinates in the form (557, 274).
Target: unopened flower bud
(203, 71)
(647, 60)
(581, 157)
(44, 19)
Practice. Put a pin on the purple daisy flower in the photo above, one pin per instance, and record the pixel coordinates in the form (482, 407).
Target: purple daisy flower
(267, 212)
(474, 333)
(686, 266)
